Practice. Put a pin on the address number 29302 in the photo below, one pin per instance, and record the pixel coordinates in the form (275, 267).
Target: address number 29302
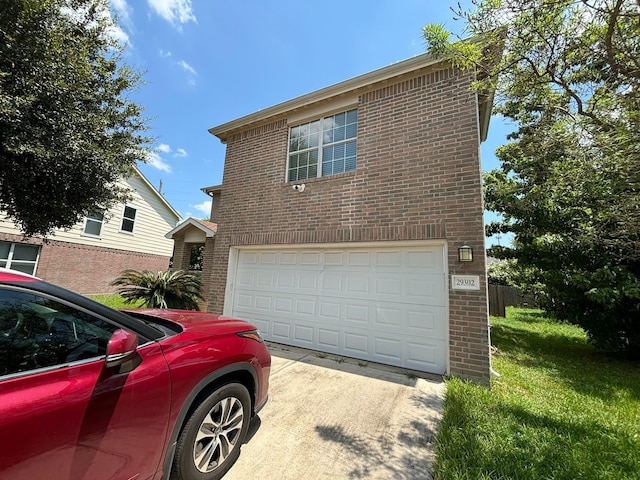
(465, 282)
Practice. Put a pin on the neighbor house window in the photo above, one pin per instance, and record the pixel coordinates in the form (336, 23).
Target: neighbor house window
(93, 224)
(19, 256)
(323, 147)
(128, 219)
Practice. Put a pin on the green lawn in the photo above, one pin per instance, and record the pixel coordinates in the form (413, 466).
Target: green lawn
(114, 301)
(559, 410)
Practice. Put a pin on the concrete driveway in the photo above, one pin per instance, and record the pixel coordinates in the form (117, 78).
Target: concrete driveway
(334, 418)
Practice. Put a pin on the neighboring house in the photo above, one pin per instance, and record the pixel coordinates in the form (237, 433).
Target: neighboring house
(342, 215)
(87, 257)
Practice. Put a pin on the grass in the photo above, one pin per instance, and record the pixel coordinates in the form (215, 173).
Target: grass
(114, 301)
(559, 410)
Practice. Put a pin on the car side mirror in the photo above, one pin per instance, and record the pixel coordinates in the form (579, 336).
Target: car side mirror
(122, 346)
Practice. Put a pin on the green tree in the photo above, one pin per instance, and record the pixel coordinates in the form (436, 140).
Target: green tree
(569, 182)
(196, 259)
(68, 129)
(170, 289)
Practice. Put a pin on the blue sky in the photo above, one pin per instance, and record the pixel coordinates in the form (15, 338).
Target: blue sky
(207, 62)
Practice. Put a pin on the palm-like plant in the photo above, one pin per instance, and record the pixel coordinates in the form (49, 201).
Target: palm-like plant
(170, 289)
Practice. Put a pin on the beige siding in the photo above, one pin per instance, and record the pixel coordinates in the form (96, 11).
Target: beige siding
(153, 220)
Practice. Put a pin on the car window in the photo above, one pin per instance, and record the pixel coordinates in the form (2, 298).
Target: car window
(37, 332)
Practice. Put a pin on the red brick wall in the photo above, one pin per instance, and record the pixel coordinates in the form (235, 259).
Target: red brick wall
(418, 177)
(86, 269)
(181, 253)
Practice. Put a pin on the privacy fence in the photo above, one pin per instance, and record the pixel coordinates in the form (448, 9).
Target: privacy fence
(502, 296)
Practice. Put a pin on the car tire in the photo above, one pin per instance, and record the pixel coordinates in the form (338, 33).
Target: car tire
(210, 441)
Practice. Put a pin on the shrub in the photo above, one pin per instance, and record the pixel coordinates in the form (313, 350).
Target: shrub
(169, 289)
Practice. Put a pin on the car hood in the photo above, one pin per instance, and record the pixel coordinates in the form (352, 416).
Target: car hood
(196, 322)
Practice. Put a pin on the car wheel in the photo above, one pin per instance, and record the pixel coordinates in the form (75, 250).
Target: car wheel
(210, 441)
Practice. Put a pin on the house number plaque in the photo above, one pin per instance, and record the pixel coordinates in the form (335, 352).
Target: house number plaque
(465, 282)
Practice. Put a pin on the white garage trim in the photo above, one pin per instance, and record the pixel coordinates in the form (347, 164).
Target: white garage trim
(385, 302)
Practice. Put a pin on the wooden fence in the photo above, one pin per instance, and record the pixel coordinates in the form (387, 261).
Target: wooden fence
(502, 296)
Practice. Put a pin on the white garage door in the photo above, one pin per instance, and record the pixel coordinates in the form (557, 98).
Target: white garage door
(384, 304)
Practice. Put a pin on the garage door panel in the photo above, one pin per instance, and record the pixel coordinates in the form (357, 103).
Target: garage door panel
(431, 259)
(388, 286)
(245, 278)
(331, 282)
(334, 259)
(389, 259)
(286, 279)
(304, 334)
(384, 305)
(306, 307)
(388, 349)
(426, 323)
(310, 258)
(425, 357)
(428, 290)
(283, 305)
(329, 338)
(268, 258)
(358, 285)
(357, 344)
(329, 310)
(282, 331)
(356, 314)
(308, 281)
(265, 279)
(262, 303)
(288, 258)
(248, 257)
(358, 259)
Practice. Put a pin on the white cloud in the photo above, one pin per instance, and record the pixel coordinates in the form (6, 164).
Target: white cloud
(204, 207)
(187, 67)
(164, 148)
(164, 54)
(156, 161)
(81, 16)
(123, 10)
(176, 12)
(181, 152)
(117, 33)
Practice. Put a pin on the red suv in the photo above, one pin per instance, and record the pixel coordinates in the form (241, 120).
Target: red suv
(88, 392)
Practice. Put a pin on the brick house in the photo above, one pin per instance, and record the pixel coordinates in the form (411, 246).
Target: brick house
(344, 217)
(87, 257)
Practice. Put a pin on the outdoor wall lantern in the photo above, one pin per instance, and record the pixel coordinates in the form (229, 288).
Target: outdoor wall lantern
(465, 253)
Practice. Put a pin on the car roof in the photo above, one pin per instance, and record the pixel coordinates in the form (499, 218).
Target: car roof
(7, 275)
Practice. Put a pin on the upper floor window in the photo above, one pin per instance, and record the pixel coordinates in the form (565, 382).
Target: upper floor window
(93, 224)
(19, 256)
(128, 219)
(323, 147)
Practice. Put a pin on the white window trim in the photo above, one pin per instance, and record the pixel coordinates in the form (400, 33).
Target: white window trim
(92, 235)
(320, 148)
(134, 220)
(10, 260)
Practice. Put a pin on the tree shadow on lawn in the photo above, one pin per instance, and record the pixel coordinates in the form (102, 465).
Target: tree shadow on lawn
(571, 360)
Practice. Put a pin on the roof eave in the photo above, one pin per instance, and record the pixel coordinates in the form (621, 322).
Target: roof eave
(192, 223)
(347, 86)
(157, 193)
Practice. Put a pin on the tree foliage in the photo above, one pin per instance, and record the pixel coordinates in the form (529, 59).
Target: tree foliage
(196, 258)
(169, 289)
(68, 130)
(569, 182)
